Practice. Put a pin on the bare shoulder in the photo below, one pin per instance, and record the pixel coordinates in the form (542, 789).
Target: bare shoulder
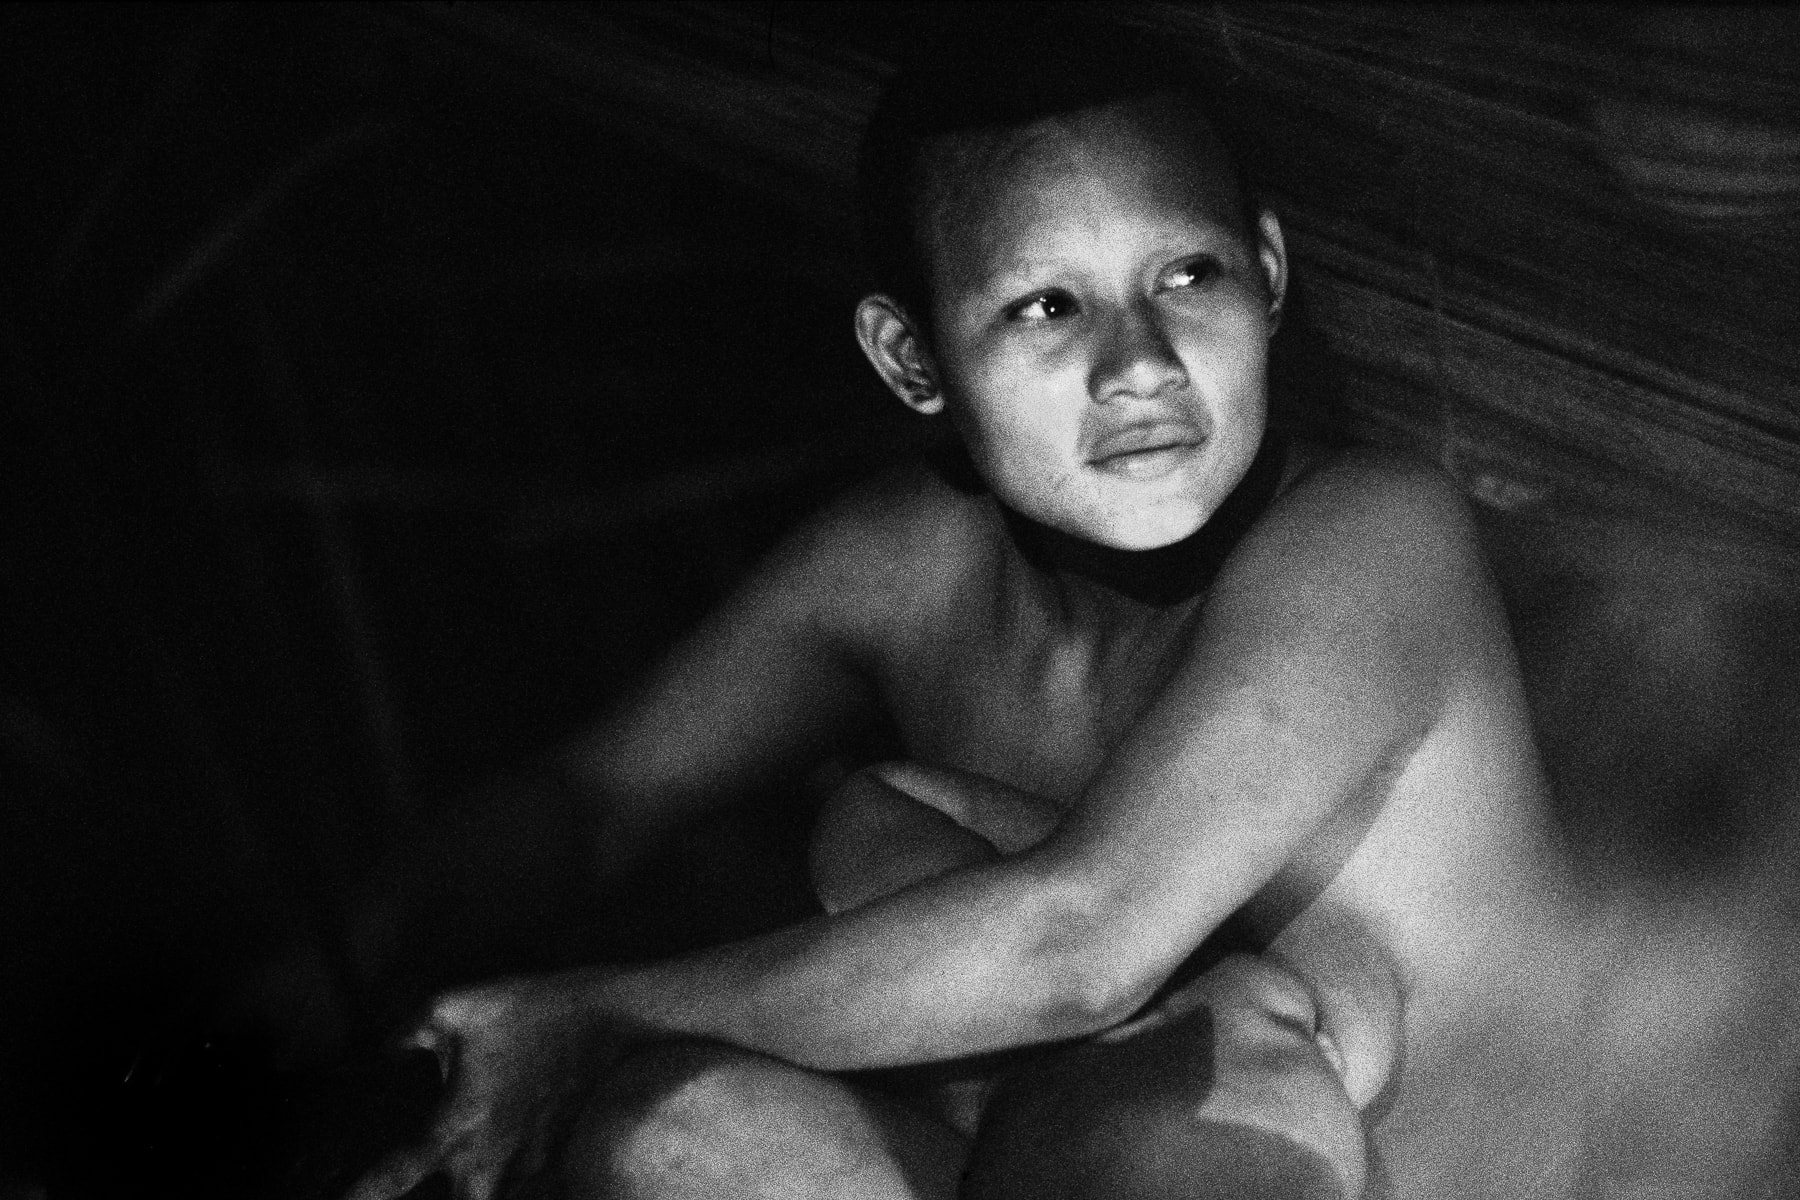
(894, 549)
(1370, 517)
(1367, 563)
(1363, 484)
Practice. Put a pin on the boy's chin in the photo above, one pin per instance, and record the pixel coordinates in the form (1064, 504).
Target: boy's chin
(1155, 541)
(1162, 514)
(1120, 529)
(1142, 532)
(1128, 518)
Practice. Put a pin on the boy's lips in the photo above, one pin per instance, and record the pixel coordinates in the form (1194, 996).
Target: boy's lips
(1140, 450)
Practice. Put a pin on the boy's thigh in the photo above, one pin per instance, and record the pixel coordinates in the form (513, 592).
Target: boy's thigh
(699, 1119)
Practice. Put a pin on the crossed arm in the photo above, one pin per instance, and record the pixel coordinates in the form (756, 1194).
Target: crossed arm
(1329, 644)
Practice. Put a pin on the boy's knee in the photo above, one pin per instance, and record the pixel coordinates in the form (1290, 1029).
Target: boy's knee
(873, 791)
(873, 838)
(661, 1121)
(696, 1120)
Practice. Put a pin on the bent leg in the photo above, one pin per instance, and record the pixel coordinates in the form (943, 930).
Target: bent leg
(891, 825)
(704, 1121)
(1130, 1120)
(872, 839)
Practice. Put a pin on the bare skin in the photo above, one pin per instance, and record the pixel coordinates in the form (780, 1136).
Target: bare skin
(1301, 1041)
(1099, 339)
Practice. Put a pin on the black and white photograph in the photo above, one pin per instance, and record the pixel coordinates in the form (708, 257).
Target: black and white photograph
(899, 600)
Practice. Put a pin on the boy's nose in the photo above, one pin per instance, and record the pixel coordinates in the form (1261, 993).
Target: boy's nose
(1134, 358)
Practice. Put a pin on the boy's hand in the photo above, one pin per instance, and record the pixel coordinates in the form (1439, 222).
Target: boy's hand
(519, 1058)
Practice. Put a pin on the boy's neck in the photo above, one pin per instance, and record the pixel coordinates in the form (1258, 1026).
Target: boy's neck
(1167, 575)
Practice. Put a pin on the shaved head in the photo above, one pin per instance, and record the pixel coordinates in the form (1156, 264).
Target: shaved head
(966, 96)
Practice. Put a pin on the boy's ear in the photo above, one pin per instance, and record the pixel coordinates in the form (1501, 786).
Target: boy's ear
(894, 348)
(1271, 252)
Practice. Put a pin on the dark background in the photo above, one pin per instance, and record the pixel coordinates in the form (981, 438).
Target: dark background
(384, 386)
(369, 421)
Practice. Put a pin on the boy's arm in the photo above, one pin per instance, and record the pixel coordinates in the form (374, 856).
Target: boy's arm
(1329, 647)
(741, 708)
(762, 691)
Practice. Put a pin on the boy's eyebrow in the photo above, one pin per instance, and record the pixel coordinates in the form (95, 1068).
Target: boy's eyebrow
(1018, 273)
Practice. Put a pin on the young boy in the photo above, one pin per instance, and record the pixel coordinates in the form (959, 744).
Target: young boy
(1149, 669)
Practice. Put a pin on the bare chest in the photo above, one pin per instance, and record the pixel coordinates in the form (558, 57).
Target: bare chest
(1029, 708)
(1458, 873)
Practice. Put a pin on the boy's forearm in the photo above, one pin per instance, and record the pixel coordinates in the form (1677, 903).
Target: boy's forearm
(983, 959)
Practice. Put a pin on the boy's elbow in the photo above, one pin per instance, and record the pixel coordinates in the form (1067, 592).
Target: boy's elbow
(1096, 1003)
(1097, 968)
(1094, 996)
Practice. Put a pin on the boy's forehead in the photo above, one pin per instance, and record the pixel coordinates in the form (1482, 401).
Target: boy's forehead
(990, 189)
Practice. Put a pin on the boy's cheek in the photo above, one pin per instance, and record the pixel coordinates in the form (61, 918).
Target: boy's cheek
(1235, 345)
(1016, 398)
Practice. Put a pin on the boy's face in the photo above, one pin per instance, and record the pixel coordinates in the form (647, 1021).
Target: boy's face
(1101, 318)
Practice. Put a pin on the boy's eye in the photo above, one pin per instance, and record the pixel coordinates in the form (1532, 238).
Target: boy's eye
(1045, 306)
(1192, 274)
